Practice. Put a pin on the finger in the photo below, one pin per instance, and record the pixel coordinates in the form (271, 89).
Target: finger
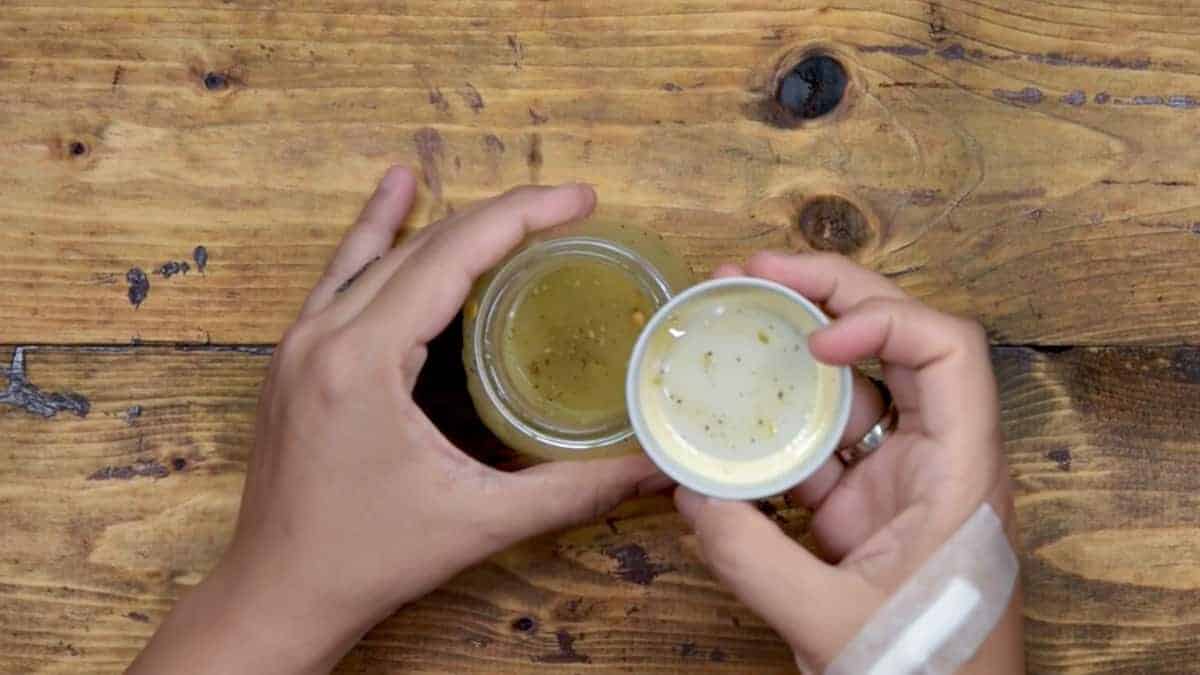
(728, 270)
(816, 488)
(865, 411)
(427, 290)
(953, 384)
(367, 286)
(825, 278)
(556, 495)
(371, 237)
(801, 597)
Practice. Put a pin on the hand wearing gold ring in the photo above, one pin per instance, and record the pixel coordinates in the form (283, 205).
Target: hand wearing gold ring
(905, 479)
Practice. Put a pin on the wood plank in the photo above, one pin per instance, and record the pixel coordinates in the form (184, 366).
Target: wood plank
(1020, 161)
(105, 519)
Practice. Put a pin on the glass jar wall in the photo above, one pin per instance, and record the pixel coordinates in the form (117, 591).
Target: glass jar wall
(548, 334)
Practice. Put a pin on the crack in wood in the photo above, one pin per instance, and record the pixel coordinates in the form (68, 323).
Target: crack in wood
(21, 393)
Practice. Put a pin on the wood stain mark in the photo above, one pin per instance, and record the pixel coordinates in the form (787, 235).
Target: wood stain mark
(1008, 196)
(1075, 98)
(216, 81)
(139, 469)
(775, 34)
(954, 52)
(1174, 101)
(173, 267)
(200, 257)
(566, 651)
(493, 145)
(472, 98)
(1186, 363)
(1177, 101)
(139, 286)
(437, 100)
(479, 642)
(1026, 96)
(518, 51)
(1061, 457)
(138, 616)
(894, 50)
(957, 52)
(21, 393)
(524, 624)
(935, 18)
(118, 72)
(431, 150)
(1156, 183)
(257, 350)
(915, 85)
(671, 87)
(537, 117)
(924, 196)
(1084, 61)
(634, 565)
(534, 158)
(575, 609)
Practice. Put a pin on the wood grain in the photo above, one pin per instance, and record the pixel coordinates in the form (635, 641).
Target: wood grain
(106, 519)
(1028, 163)
(1022, 161)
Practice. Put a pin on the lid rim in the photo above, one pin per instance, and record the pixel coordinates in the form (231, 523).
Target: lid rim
(704, 484)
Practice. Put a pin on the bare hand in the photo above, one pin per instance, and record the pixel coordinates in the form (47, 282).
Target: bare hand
(354, 502)
(879, 520)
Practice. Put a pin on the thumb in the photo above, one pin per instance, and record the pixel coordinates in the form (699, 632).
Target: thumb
(557, 495)
(816, 607)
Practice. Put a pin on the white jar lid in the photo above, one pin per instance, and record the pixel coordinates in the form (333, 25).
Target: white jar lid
(724, 395)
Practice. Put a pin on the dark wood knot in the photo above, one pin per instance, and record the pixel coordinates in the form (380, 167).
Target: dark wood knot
(831, 223)
(813, 88)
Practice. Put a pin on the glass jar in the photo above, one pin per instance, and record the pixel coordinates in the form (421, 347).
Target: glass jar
(547, 337)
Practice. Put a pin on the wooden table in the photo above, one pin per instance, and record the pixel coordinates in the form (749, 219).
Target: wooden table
(1031, 163)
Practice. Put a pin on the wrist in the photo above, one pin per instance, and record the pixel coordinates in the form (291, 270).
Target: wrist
(238, 620)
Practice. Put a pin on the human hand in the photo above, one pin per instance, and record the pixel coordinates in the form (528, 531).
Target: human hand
(354, 503)
(877, 521)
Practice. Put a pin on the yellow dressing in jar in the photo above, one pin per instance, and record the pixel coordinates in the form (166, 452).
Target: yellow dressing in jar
(568, 356)
(548, 335)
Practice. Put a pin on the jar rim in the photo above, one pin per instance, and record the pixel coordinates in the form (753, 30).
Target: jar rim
(508, 279)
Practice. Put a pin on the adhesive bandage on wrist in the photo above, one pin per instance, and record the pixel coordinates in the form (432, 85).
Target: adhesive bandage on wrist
(944, 612)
